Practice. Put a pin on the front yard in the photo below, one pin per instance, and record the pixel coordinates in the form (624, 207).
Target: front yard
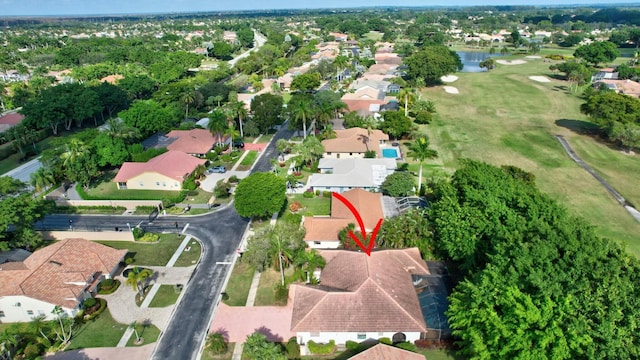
(317, 205)
(238, 287)
(269, 279)
(167, 295)
(156, 254)
(103, 331)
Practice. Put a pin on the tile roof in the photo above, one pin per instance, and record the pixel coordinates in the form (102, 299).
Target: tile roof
(11, 119)
(352, 140)
(173, 164)
(369, 205)
(365, 92)
(59, 272)
(376, 295)
(387, 352)
(195, 141)
(112, 79)
(352, 172)
(324, 228)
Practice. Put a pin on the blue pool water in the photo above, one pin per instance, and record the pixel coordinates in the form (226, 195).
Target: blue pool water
(390, 153)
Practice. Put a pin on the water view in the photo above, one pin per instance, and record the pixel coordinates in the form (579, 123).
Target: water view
(472, 59)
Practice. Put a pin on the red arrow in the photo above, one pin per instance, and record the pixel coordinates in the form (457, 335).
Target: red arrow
(363, 230)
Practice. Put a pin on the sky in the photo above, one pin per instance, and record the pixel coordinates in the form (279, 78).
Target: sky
(103, 7)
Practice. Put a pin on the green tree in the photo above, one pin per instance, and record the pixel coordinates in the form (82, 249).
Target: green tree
(217, 344)
(396, 124)
(257, 347)
(488, 63)
(42, 179)
(67, 325)
(433, 62)
(300, 111)
(597, 52)
(309, 150)
(217, 124)
(308, 261)
(111, 98)
(399, 184)
(188, 98)
(19, 211)
(409, 229)
(267, 111)
(148, 116)
(109, 150)
(608, 108)
(306, 82)
(282, 242)
(138, 87)
(260, 195)
(419, 151)
(222, 50)
(137, 279)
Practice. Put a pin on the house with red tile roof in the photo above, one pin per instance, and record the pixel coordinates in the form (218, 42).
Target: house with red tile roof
(196, 142)
(322, 232)
(386, 352)
(62, 274)
(361, 297)
(10, 120)
(164, 172)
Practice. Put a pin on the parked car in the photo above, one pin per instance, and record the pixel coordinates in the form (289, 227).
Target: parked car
(297, 184)
(238, 144)
(217, 169)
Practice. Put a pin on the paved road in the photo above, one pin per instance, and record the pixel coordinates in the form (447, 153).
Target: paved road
(260, 40)
(220, 233)
(23, 172)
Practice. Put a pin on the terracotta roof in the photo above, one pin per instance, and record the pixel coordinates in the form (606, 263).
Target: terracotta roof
(351, 140)
(362, 107)
(387, 58)
(173, 164)
(112, 79)
(344, 303)
(324, 228)
(627, 87)
(11, 119)
(195, 141)
(59, 272)
(387, 352)
(368, 203)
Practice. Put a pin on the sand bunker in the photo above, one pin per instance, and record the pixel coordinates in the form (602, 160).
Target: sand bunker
(539, 78)
(451, 89)
(533, 57)
(511, 62)
(449, 78)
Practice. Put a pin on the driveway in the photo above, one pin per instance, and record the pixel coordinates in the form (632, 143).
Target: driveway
(238, 322)
(209, 183)
(142, 352)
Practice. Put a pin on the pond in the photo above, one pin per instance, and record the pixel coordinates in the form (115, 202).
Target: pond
(471, 59)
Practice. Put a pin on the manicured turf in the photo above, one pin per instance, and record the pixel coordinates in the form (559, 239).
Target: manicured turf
(157, 254)
(318, 205)
(191, 257)
(505, 118)
(149, 333)
(239, 284)
(101, 332)
(265, 296)
(165, 296)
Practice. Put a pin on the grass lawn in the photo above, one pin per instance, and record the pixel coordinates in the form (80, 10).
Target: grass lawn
(191, 257)
(108, 190)
(248, 160)
(504, 118)
(265, 296)
(207, 355)
(101, 332)
(239, 284)
(439, 354)
(157, 254)
(149, 333)
(318, 205)
(165, 296)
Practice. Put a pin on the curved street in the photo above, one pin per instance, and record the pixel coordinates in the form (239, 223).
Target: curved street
(219, 232)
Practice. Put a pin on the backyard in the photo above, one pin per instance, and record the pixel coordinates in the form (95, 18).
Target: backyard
(505, 118)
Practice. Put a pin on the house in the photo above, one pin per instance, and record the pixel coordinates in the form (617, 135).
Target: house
(340, 175)
(230, 37)
(8, 121)
(62, 274)
(339, 36)
(387, 352)
(626, 87)
(322, 232)
(354, 142)
(164, 172)
(196, 142)
(112, 79)
(605, 73)
(361, 297)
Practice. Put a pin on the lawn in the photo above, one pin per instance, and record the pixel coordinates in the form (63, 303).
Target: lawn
(207, 355)
(317, 205)
(239, 284)
(108, 190)
(504, 118)
(100, 332)
(191, 257)
(248, 160)
(149, 333)
(157, 254)
(265, 296)
(165, 296)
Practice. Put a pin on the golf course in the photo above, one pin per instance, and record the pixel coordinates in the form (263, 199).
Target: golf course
(505, 117)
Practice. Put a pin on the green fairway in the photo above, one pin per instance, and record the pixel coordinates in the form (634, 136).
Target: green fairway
(505, 118)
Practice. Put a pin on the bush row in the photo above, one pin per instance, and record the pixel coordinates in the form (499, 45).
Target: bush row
(321, 349)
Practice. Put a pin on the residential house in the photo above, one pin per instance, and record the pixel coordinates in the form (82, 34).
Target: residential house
(62, 274)
(230, 37)
(322, 232)
(112, 79)
(605, 73)
(8, 121)
(361, 297)
(340, 175)
(164, 172)
(386, 352)
(196, 142)
(626, 87)
(354, 143)
(339, 36)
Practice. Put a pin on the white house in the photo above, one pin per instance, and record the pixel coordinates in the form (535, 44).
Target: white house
(354, 143)
(62, 274)
(340, 175)
(361, 297)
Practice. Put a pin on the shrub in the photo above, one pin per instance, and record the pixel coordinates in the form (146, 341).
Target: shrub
(222, 190)
(147, 154)
(103, 305)
(88, 303)
(407, 346)
(321, 349)
(423, 117)
(145, 209)
(308, 194)
(297, 174)
(217, 344)
(370, 154)
(326, 194)
(293, 349)
(317, 192)
(385, 340)
(137, 233)
(352, 345)
(107, 283)
(190, 183)
(281, 295)
(555, 57)
(149, 238)
(226, 158)
(128, 260)
(233, 179)
(32, 351)
(212, 156)
(295, 206)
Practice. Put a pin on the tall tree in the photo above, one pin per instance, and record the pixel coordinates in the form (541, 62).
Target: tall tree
(260, 194)
(419, 150)
(433, 62)
(217, 124)
(597, 52)
(301, 110)
(137, 278)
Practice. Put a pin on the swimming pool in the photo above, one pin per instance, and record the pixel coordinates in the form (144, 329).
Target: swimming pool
(390, 153)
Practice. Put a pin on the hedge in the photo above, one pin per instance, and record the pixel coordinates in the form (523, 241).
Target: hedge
(322, 349)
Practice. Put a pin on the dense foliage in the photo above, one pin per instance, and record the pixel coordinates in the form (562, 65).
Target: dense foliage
(260, 194)
(617, 114)
(19, 210)
(538, 282)
(433, 62)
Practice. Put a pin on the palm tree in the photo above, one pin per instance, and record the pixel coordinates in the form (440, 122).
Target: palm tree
(232, 133)
(118, 129)
(42, 179)
(407, 97)
(309, 149)
(419, 150)
(240, 111)
(309, 261)
(137, 277)
(300, 111)
(217, 124)
(73, 150)
(188, 98)
(64, 335)
(328, 132)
